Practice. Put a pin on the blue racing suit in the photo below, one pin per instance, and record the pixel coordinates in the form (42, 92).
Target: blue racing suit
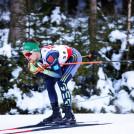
(65, 74)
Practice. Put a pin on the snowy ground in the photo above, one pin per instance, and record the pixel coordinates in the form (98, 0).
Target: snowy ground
(121, 124)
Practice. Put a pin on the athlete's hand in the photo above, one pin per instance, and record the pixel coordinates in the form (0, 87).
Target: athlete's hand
(35, 67)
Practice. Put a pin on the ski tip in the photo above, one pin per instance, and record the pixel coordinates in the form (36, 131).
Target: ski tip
(19, 132)
(9, 129)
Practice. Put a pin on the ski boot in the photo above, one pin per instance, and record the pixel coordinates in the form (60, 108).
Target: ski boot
(56, 115)
(69, 117)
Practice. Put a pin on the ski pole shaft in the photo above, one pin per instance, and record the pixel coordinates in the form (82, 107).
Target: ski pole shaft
(119, 61)
(92, 62)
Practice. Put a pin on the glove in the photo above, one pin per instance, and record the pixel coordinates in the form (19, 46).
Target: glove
(35, 67)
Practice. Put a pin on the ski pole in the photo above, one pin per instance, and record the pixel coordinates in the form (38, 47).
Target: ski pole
(92, 62)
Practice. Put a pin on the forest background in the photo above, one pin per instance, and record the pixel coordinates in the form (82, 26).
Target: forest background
(103, 28)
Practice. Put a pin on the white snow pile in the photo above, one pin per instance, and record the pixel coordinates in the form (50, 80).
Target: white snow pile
(37, 101)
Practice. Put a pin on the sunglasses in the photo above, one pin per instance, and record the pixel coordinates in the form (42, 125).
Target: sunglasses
(28, 54)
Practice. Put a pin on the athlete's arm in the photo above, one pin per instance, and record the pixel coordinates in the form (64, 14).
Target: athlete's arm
(52, 60)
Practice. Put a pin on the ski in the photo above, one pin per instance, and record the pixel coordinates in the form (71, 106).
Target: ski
(31, 126)
(58, 127)
(25, 127)
(38, 125)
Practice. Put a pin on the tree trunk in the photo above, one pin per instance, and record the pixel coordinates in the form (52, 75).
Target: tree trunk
(93, 21)
(92, 32)
(17, 21)
(129, 27)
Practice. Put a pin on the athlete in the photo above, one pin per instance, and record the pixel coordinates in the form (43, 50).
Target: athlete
(46, 63)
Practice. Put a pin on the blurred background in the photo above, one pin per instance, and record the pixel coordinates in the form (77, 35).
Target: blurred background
(103, 28)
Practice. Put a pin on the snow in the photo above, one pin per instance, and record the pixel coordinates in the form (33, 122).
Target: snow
(128, 79)
(16, 72)
(118, 58)
(113, 37)
(36, 100)
(6, 48)
(131, 40)
(117, 35)
(56, 17)
(105, 84)
(118, 124)
(45, 19)
(95, 103)
(26, 102)
(124, 102)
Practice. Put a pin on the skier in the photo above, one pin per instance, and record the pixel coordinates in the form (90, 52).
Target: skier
(51, 57)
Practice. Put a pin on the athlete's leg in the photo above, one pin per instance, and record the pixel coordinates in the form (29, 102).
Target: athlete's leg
(56, 114)
(50, 84)
(68, 73)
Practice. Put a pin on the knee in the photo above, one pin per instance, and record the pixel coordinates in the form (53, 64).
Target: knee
(62, 85)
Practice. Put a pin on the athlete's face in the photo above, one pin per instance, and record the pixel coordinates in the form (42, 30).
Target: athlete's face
(31, 56)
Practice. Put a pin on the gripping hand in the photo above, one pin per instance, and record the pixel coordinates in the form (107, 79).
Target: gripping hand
(35, 67)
